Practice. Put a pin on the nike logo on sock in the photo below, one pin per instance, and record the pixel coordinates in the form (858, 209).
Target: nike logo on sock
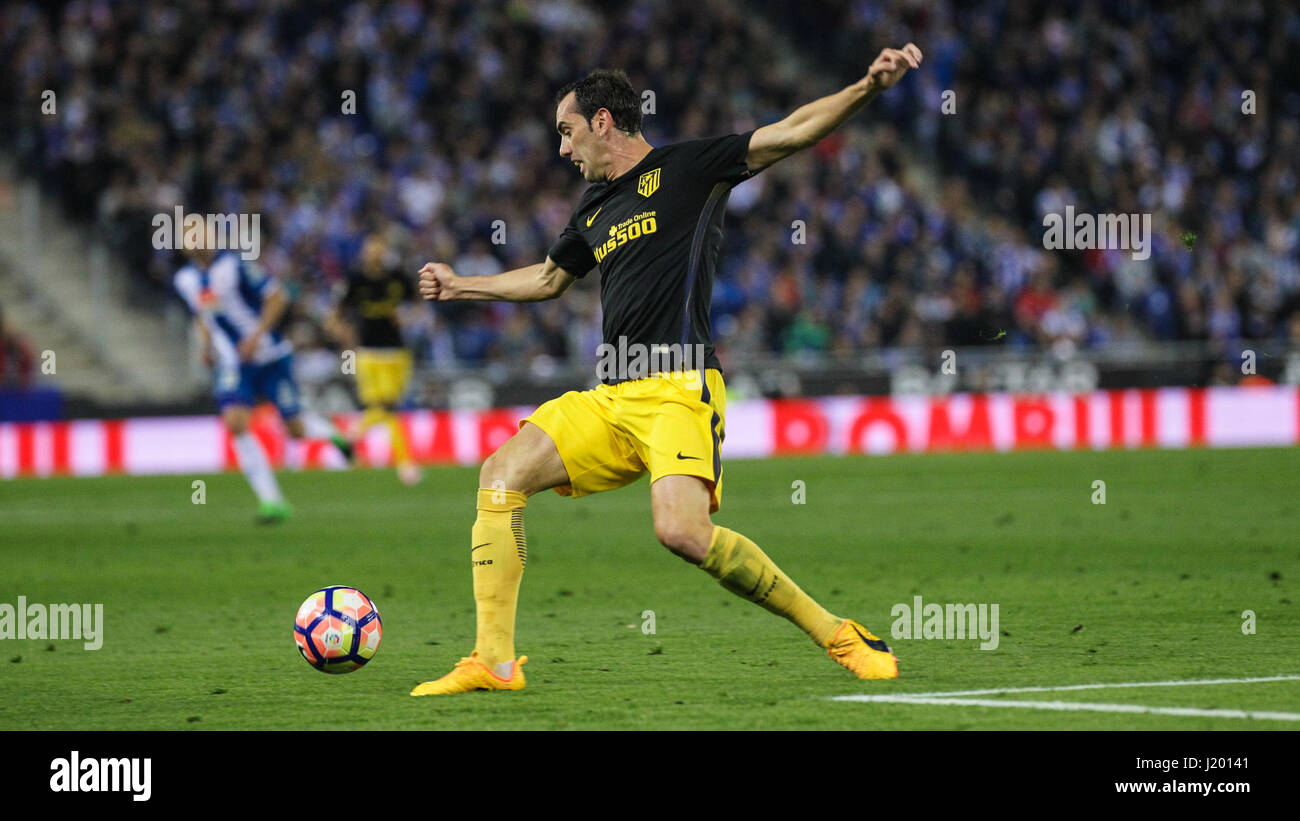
(679, 456)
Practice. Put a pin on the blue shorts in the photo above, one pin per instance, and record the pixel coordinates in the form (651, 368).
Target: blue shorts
(252, 383)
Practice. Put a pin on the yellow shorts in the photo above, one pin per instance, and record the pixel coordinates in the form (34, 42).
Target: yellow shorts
(382, 374)
(667, 425)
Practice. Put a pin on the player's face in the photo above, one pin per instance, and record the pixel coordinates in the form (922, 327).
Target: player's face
(201, 256)
(372, 257)
(579, 143)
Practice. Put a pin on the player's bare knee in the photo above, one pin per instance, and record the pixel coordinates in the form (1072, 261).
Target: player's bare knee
(236, 421)
(683, 538)
(501, 471)
(491, 471)
(528, 463)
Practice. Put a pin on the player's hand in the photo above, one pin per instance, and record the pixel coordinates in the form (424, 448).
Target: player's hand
(891, 65)
(248, 346)
(437, 281)
(207, 357)
(341, 331)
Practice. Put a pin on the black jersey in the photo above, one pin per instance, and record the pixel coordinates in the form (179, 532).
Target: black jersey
(375, 302)
(656, 232)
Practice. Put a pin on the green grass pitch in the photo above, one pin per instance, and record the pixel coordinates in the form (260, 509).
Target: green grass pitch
(199, 602)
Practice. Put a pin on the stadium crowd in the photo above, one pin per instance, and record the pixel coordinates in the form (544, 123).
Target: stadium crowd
(17, 360)
(920, 223)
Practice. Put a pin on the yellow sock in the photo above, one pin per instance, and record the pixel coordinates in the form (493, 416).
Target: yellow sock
(373, 416)
(740, 566)
(397, 440)
(499, 553)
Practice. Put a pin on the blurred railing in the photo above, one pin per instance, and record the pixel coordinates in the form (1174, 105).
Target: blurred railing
(883, 372)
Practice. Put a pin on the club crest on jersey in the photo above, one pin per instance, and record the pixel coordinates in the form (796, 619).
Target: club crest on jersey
(648, 183)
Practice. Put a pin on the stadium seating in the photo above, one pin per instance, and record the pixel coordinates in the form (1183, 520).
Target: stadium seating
(451, 133)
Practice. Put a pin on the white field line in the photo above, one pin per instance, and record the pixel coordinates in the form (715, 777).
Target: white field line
(1003, 690)
(1077, 705)
(965, 698)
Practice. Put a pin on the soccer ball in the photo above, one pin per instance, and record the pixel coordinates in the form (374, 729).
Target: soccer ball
(337, 629)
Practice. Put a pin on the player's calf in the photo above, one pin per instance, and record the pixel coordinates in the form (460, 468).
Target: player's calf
(255, 466)
(527, 463)
(313, 426)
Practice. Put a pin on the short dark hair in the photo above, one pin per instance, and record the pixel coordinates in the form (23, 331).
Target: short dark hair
(609, 89)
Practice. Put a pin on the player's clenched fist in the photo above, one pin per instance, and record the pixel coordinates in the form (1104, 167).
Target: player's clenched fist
(891, 65)
(435, 279)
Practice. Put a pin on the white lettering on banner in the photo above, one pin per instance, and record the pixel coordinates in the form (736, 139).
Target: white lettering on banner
(1157, 418)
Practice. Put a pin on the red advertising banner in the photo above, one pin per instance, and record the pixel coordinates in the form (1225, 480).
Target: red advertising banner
(1153, 418)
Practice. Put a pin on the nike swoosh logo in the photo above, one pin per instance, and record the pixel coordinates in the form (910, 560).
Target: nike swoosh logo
(679, 456)
(477, 546)
(874, 644)
(592, 218)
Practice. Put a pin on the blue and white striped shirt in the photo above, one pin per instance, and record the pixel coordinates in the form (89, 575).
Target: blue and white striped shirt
(227, 297)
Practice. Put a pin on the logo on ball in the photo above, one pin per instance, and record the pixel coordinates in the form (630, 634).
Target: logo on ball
(337, 629)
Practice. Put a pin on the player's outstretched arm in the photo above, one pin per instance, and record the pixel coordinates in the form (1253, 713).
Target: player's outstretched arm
(533, 283)
(808, 124)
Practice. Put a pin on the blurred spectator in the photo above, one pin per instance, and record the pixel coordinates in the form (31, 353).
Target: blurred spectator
(17, 365)
(927, 232)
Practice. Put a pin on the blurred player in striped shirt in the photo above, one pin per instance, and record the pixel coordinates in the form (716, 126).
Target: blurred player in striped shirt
(236, 307)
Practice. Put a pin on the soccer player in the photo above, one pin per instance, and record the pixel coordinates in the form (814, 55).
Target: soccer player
(652, 220)
(236, 307)
(374, 297)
